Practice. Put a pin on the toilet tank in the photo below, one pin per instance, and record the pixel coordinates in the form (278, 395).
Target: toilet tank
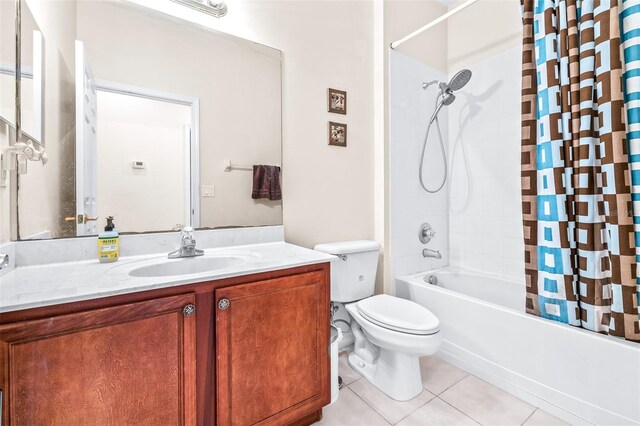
(353, 275)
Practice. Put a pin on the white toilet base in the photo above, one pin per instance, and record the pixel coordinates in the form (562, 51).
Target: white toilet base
(396, 374)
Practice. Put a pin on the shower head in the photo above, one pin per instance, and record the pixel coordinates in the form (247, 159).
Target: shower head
(448, 98)
(459, 80)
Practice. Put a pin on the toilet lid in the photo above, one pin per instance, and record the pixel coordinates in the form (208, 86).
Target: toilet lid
(398, 314)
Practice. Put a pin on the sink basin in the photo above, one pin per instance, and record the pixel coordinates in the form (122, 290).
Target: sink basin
(187, 266)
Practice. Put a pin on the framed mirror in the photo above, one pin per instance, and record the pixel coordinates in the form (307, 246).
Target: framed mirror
(150, 119)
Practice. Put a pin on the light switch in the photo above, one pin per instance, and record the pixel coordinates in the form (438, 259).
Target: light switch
(208, 191)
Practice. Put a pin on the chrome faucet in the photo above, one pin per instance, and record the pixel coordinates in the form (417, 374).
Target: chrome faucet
(187, 245)
(431, 253)
(426, 234)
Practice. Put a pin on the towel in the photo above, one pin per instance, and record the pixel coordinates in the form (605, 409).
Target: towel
(266, 182)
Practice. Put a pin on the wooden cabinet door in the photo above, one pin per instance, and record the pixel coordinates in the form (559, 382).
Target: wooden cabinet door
(130, 364)
(272, 340)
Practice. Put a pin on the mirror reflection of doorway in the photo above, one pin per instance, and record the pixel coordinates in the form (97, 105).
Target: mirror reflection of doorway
(134, 142)
(143, 147)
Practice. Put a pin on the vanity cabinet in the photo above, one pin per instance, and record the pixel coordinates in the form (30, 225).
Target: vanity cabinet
(271, 349)
(127, 364)
(237, 351)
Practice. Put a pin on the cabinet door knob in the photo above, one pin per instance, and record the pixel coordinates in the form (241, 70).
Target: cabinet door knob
(223, 304)
(189, 310)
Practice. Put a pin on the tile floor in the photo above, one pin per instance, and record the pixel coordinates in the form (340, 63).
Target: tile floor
(451, 396)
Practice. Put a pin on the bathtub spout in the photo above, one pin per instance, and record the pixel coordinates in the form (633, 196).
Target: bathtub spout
(432, 253)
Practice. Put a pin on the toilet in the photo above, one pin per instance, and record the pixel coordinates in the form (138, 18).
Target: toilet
(391, 334)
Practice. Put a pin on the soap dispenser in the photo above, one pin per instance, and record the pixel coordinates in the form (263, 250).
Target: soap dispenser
(108, 243)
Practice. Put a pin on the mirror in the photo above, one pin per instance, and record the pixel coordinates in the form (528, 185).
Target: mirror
(31, 78)
(143, 113)
(7, 64)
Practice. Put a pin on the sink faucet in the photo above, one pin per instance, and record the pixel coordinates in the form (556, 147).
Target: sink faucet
(431, 253)
(187, 245)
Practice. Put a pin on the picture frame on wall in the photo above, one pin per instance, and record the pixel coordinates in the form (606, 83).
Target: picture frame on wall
(337, 134)
(337, 101)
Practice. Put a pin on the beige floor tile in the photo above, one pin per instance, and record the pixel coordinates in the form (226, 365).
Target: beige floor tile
(349, 410)
(487, 404)
(439, 375)
(542, 418)
(348, 374)
(393, 411)
(437, 413)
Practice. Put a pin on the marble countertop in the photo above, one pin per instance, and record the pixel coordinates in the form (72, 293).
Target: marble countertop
(51, 284)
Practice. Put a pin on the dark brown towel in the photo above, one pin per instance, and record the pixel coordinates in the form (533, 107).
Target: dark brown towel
(266, 182)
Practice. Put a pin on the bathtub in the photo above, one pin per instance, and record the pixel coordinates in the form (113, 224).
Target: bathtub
(577, 375)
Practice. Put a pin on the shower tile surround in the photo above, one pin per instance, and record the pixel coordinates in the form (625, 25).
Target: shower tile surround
(409, 111)
(477, 215)
(485, 211)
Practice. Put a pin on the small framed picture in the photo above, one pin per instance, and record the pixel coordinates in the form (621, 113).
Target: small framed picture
(337, 101)
(337, 134)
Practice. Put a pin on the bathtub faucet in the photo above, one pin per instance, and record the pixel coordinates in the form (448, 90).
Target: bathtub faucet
(432, 253)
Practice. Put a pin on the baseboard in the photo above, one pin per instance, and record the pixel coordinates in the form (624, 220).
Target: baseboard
(572, 410)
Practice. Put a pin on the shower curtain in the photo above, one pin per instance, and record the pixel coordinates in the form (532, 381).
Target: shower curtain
(581, 162)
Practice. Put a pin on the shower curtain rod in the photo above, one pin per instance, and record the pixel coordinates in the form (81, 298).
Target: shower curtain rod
(433, 23)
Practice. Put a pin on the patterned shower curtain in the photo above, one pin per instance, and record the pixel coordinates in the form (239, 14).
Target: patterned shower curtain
(581, 163)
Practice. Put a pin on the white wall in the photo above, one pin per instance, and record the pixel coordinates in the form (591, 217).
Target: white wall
(410, 109)
(471, 39)
(138, 129)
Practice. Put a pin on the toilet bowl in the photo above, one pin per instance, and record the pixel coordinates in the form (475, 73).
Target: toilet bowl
(391, 334)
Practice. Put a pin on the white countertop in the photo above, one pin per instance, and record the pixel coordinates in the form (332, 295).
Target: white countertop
(51, 284)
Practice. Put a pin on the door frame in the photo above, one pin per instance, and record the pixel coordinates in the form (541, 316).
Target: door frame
(85, 187)
(193, 159)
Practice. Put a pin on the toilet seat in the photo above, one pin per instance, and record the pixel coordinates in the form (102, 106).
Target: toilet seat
(398, 314)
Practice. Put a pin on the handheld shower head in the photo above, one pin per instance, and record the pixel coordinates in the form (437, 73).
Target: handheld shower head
(459, 80)
(447, 99)
(444, 98)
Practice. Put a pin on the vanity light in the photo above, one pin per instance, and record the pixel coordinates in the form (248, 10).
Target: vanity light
(214, 8)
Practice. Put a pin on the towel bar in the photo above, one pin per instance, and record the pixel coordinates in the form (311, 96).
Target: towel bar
(228, 166)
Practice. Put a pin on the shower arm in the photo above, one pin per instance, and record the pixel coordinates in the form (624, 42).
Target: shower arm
(426, 85)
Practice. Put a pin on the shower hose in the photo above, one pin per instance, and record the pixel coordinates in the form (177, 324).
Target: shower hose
(424, 148)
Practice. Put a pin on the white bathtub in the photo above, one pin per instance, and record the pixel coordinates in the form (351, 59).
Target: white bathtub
(577, 375)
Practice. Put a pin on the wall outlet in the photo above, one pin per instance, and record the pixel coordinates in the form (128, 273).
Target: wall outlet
(208, 191)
